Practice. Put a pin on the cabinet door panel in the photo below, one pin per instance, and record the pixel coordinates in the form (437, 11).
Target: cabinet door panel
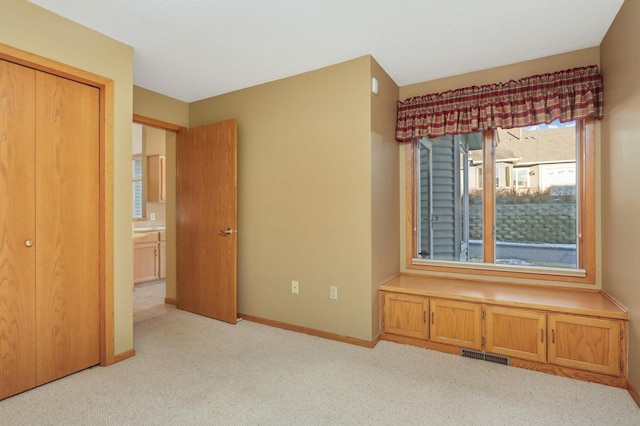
(585, 343)
(456, 323)
(517, 333)
(145, 266)
(157, 182)
(406, 315)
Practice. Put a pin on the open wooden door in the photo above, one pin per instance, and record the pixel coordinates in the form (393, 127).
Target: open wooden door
(207, 203)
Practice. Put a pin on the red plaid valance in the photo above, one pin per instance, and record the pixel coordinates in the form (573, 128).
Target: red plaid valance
(565, 95)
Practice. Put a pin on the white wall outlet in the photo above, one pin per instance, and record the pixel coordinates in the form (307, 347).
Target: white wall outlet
(294, 287)
(333, 292)
(153, 216)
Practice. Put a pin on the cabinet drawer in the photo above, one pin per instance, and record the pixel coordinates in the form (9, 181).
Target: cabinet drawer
(145, 237)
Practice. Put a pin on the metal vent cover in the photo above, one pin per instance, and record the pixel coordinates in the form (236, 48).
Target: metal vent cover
(498, 359)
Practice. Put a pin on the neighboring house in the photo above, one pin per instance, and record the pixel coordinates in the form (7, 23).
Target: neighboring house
(532, 158)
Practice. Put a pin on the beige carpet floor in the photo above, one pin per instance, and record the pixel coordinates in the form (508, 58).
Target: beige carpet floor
(190, 370)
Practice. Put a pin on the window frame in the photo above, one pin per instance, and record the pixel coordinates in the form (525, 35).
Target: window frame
(586, 241)
(141, 180)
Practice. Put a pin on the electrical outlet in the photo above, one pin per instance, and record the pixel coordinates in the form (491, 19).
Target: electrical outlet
(333, 292)
(294, 287)
(153, 216)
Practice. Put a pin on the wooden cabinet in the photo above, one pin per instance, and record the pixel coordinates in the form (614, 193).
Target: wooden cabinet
(558, 331)
(145, 257)
(149, 256)
(516, 333)
(157, 181)
(456, 323)
(592, 344)
(406, 315)
(162, 248)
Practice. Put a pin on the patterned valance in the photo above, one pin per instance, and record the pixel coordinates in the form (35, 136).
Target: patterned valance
(568, 95)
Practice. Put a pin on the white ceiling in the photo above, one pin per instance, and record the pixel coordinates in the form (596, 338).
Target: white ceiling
(195, 49)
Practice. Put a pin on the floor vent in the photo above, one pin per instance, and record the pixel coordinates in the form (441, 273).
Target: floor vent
(498, 359)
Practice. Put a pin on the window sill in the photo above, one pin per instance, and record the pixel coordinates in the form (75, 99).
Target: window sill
(487, 271)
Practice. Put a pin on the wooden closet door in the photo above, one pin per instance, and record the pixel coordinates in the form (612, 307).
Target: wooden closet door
(67, 226)
(17, 208)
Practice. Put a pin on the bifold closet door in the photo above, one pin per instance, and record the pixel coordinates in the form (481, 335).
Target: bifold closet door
(49, 227)
(67, 226)
(17, 226)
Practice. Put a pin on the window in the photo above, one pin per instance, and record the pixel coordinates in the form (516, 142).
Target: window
(521, 179)
(541, 226)
(137, 186)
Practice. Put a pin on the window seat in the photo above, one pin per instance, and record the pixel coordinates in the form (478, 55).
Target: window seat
(564, 331)
(570, 300)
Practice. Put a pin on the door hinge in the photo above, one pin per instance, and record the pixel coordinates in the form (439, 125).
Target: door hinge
(484, 314)
(483, 341)
(621, 365)
(621, 334)
(493, 230)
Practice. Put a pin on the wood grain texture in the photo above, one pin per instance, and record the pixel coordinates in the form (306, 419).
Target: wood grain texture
(157, 123)
(455, 323)
(67, 226)
(106, 123)
(17, 225)
(582, 333)
(574, 301)
(406, 315)
(516, 333)
(145, 262)
(585, 343)
(157, 179)
(207, 198)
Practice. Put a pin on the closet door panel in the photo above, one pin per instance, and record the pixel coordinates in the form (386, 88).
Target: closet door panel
(67, 226)
(17, 207)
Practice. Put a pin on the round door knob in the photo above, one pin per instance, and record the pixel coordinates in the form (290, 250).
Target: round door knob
(28, 243)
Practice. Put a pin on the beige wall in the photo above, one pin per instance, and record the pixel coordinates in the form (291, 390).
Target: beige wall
(304, 196)
(385, 187)
(160, 107)
(33, 29)
(578, 58)
(620, 173)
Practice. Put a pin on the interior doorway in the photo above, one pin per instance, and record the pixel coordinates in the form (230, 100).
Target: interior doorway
(153, 224)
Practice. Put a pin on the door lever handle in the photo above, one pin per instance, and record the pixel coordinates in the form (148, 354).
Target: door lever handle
(226, 232)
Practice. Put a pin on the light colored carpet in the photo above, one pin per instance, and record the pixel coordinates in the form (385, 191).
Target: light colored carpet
(194, 370)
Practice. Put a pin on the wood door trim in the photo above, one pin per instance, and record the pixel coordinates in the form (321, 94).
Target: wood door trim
(106, 120)
(159, 124)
